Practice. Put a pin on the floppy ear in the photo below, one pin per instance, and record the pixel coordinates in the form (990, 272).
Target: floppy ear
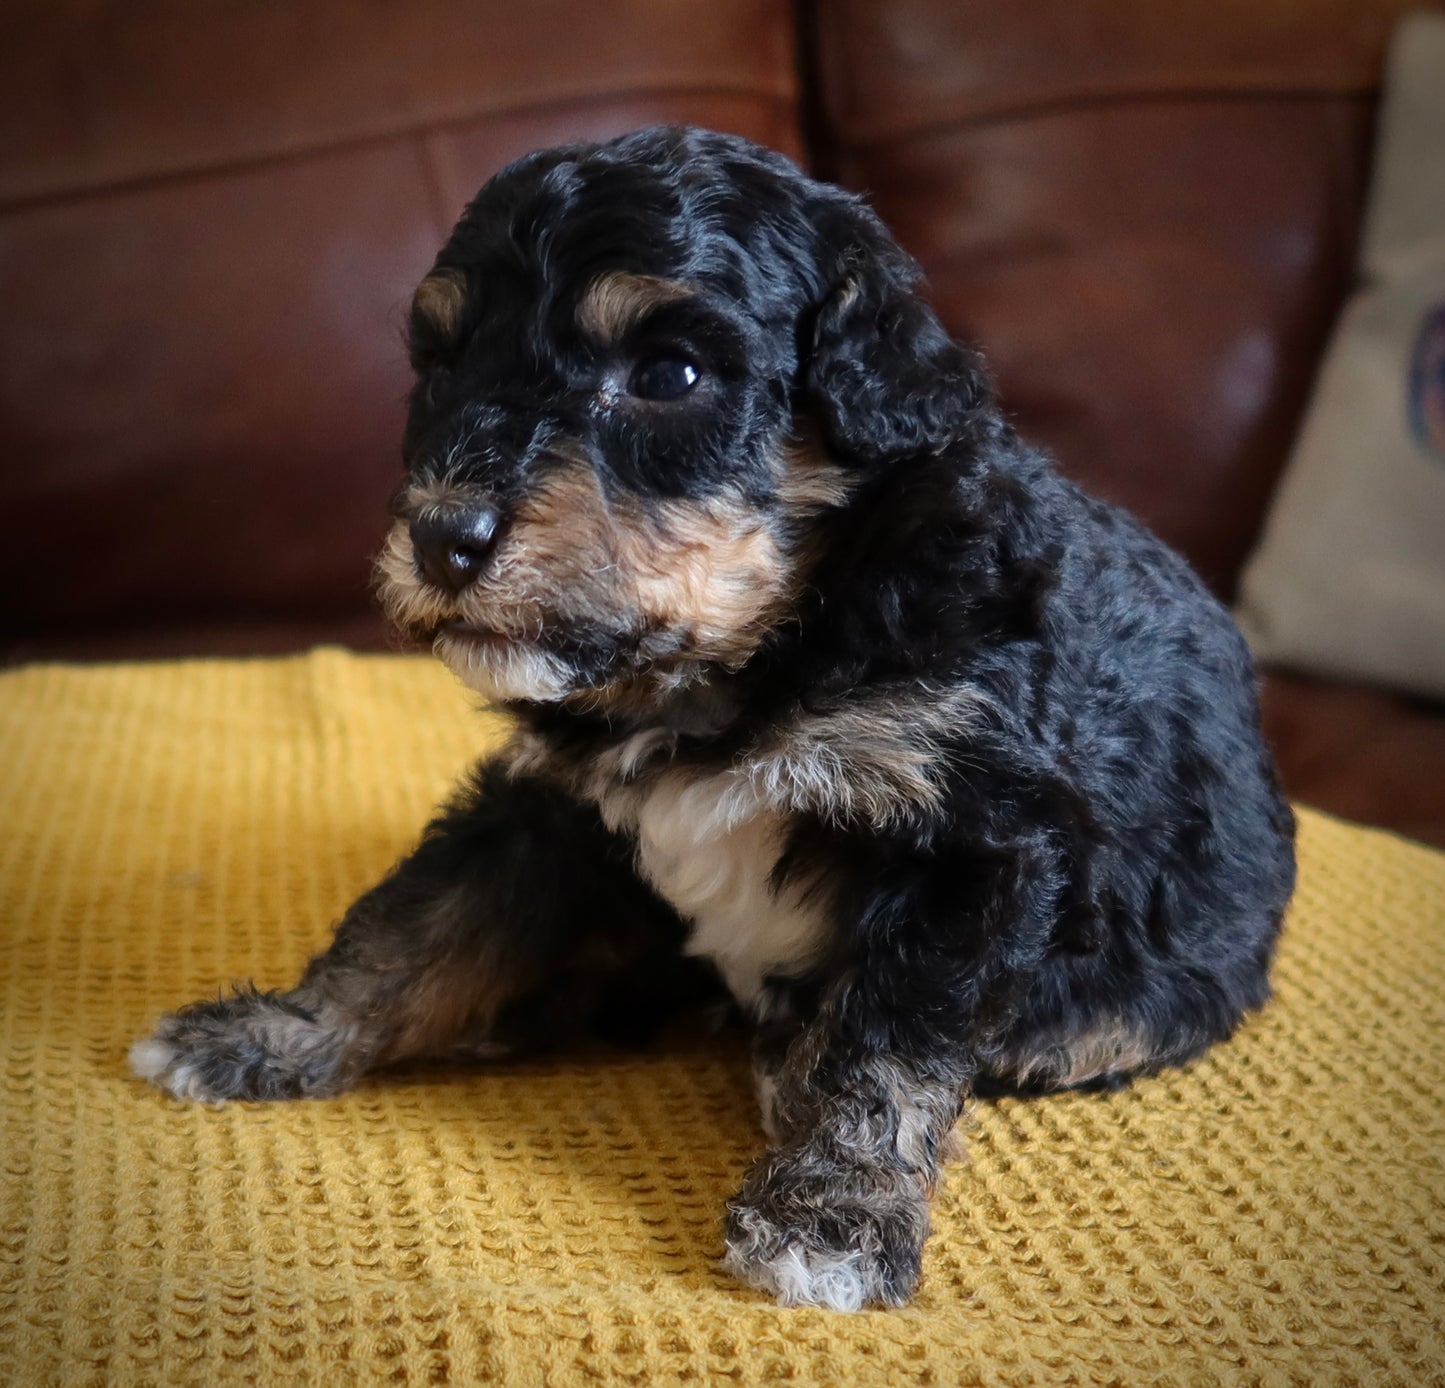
(883, 376)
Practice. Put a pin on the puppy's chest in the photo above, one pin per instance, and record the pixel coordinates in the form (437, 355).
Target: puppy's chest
(709, 848)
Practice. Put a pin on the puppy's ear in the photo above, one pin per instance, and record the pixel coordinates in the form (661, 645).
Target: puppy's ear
(883, 376)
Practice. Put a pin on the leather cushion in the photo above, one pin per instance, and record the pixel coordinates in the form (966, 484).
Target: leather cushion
(1146, 214)
(1361, 753)
(211, 221)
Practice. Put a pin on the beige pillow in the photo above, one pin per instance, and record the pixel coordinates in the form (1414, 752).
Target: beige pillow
(1349, 576)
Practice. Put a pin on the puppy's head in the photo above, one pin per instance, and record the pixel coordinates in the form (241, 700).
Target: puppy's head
(645, 371)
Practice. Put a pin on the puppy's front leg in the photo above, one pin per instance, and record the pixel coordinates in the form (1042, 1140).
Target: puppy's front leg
(861, 1104)
(507, 921)
(837, 1215)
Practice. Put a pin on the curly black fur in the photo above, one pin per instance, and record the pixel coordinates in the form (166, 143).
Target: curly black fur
(972, 759)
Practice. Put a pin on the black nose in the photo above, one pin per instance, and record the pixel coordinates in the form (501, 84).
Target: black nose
(452, 545)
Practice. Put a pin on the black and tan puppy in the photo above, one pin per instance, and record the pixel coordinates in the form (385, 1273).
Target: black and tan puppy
(820, 676)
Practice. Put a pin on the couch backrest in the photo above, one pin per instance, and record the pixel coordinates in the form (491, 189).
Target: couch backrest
(212, 217)
(1145, 210)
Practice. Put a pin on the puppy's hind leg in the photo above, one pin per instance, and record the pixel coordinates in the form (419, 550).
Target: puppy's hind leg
(511, 916)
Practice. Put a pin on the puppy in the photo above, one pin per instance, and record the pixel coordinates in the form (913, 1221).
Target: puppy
(824, 684)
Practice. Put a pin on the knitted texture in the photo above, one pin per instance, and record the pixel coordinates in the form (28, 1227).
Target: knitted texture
(1274, 1213)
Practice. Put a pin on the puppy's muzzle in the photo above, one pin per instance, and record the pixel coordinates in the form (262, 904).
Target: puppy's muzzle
(453, 544)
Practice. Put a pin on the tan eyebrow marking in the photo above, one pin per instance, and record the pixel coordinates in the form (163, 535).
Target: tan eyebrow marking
(440, 299)
(617, 300)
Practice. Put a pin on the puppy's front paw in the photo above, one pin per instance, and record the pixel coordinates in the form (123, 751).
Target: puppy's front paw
(248, 1046)
(843, 1239)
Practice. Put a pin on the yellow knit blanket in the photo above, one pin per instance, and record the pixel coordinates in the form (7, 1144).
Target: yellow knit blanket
(1272, 1214)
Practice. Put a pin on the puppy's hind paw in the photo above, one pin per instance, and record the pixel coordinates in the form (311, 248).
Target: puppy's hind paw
(250, 1045)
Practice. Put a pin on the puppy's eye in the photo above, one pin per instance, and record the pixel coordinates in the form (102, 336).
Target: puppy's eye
(662, 378)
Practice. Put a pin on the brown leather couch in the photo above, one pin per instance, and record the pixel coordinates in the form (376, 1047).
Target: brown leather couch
(212, 216)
